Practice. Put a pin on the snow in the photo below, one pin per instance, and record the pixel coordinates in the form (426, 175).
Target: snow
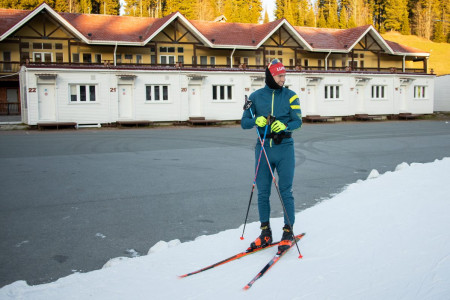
(381, 238)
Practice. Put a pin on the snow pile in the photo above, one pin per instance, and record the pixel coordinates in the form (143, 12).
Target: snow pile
(383, 238)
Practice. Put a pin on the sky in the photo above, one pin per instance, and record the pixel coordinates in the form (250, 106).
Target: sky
(385, 237)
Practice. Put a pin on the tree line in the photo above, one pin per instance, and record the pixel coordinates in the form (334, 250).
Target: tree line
(429, 19)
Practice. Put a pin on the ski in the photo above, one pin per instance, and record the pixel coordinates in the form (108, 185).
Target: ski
(234, 257)
(272, 262)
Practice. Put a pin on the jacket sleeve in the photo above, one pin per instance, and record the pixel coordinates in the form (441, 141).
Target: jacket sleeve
(247, 120)
(295, 112)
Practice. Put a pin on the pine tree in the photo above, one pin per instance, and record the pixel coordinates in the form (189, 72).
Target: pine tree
(321, 22)
(332, 16)
(343, 18)
(395, 10)
(266, 16)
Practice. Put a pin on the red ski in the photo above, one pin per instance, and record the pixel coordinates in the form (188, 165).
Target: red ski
(272, 262)
(234, 257)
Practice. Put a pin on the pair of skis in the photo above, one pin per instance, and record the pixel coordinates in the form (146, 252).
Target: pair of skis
(249, 251)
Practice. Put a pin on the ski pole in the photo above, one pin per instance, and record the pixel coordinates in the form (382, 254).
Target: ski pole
(256, 172)
(248, 106)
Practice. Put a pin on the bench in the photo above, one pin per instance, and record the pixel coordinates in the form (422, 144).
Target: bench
(136, 123)
(318, 118)
(201, 120)
(407, 116)
(57, 125)
(366, 117)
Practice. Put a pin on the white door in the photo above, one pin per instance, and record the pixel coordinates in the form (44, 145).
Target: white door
(47, 102)
(311, 101)
(195, 108)
(125, 101)
(361, 104)
(403, 103)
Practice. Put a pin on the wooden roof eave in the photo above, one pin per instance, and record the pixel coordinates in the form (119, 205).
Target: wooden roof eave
(377, 37)
(54, 14)
(297, 37)
(195, 32)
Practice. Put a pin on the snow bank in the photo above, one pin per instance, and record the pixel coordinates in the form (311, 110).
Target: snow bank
(383, 238)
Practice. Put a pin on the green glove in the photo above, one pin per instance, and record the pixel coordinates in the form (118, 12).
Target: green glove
(261, 121)
(277, 126)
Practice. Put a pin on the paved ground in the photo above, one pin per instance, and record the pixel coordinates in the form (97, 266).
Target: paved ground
(71, 200)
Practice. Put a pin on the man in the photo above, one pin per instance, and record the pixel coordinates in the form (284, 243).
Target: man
(284, 105)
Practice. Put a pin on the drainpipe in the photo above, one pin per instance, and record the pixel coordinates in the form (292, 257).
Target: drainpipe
(231, 57)
(115, 51)
(326, 60)
(404, 58)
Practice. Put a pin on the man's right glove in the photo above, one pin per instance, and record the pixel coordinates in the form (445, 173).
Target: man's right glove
(261, 121)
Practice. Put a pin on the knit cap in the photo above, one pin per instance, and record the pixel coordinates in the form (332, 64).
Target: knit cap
(276, 67)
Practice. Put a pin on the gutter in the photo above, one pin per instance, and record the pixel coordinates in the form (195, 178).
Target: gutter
(231, 58)
(326, 61)
(115, 51)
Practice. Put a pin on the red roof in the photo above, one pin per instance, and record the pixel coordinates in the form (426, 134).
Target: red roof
(11, 17)
(110, 28)
(239, 34)
(403, 48)
(125, 29)
(331, 38)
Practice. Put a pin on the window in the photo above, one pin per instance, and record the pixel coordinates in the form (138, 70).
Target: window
(24, 45)
(203, 60)
(138, 58)
(222, 92)
(171, 49)
(119, 58)
(82, 93)
(378, 91)
(87, 57)
(167, 59)
(37, 45)
(58, 46)
(76, 57)
(162, 49)
(181, 59)
(212, 61)
(157, 93)
(59, 57)
(332, 92)
(129, 57)
(25, 56)
(47, 46)
(420, 92)
(42, 57)
(180, 49)
(98, 58)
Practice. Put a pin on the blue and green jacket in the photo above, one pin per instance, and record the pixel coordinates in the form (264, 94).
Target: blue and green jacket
(282, 103)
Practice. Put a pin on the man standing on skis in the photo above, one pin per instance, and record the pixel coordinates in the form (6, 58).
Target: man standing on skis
(276, 101)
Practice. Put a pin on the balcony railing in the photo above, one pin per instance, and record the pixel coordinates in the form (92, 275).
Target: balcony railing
(10, 108)
(14, 67)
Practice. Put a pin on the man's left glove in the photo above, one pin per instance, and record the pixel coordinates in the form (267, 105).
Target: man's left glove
(277, 126)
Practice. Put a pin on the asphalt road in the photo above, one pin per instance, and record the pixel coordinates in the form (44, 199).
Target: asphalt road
(71, 200)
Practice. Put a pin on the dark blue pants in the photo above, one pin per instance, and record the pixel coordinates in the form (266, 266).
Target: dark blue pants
(282, 160)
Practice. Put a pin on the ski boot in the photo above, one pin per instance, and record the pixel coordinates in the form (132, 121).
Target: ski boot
(265, 239)
(287, 239)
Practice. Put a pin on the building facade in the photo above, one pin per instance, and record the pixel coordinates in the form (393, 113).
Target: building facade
(91, 69)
